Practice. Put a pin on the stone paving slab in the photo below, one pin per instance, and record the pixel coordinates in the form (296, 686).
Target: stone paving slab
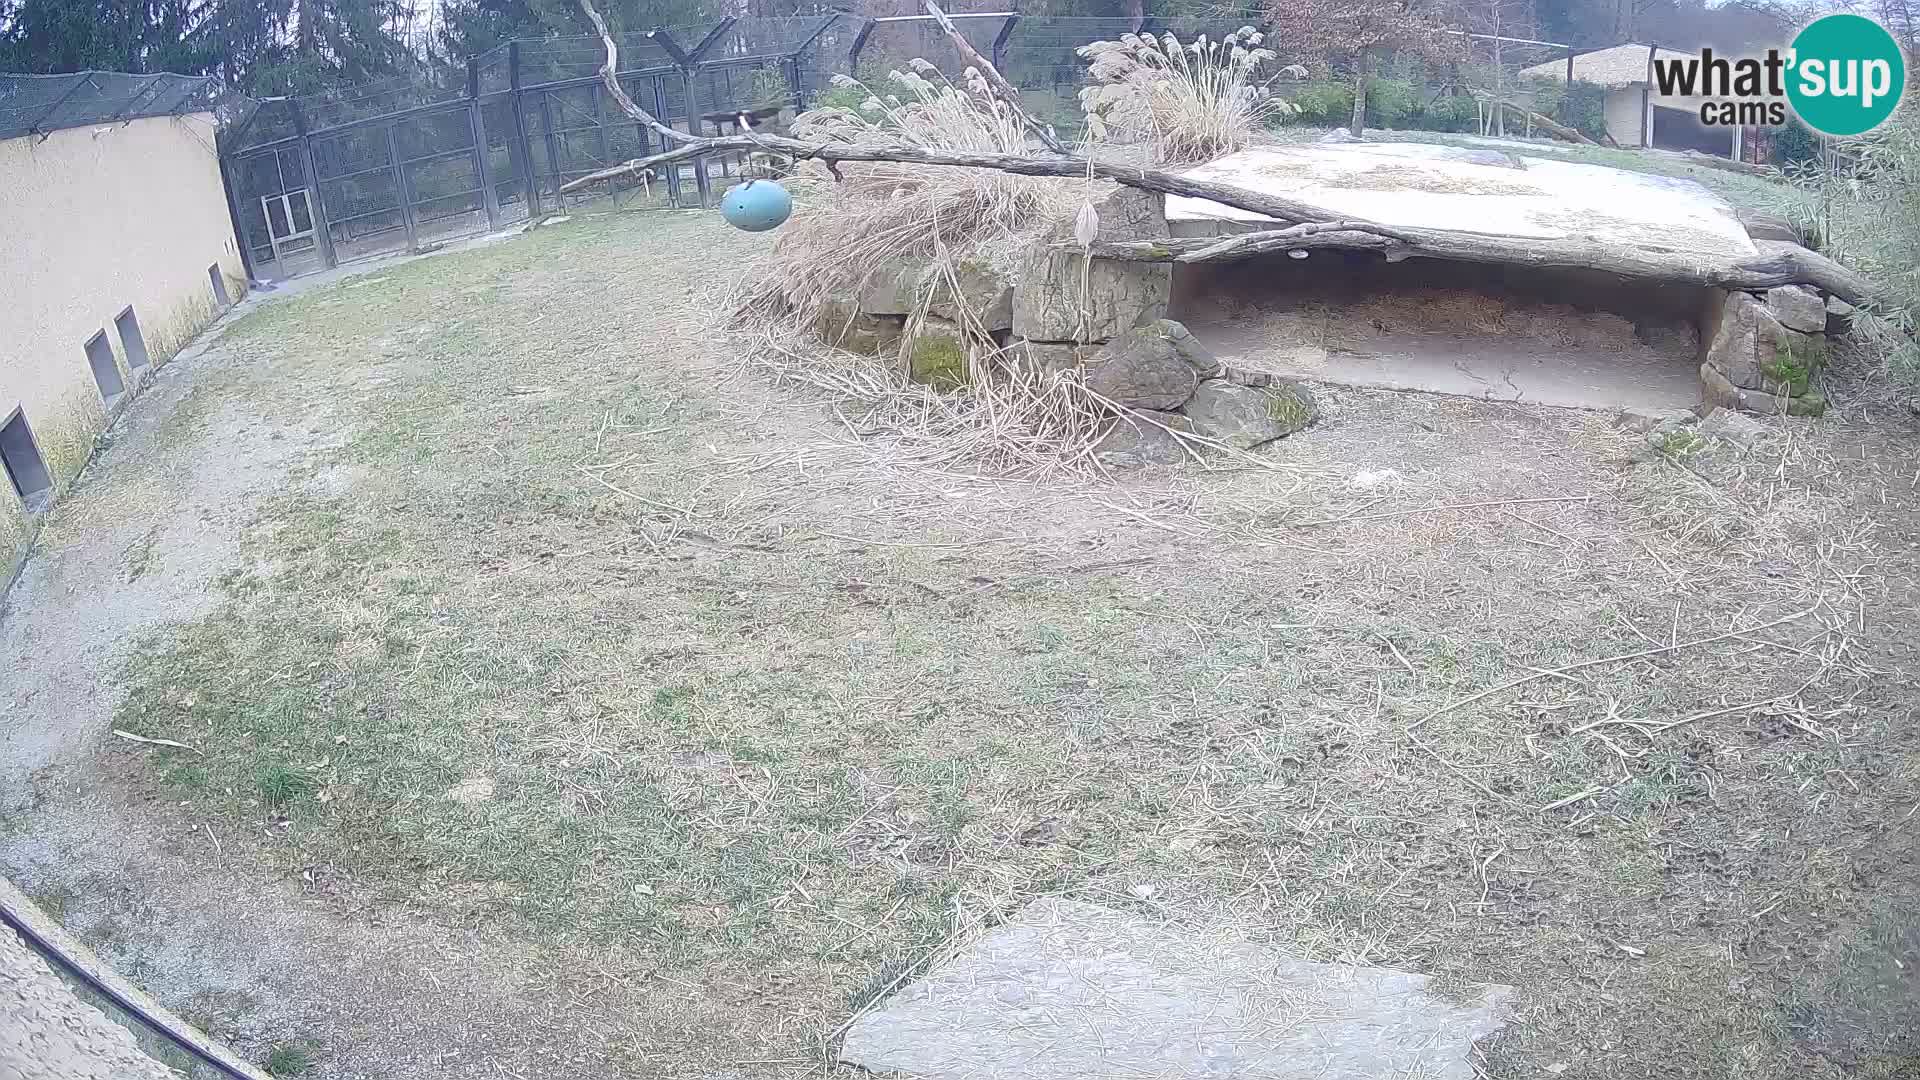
(1070, 989)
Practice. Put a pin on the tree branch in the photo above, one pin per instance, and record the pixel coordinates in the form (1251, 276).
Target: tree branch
(610, 78)
(1775, 265)
(1308, 226)
(1277, 207)
(1001, 87)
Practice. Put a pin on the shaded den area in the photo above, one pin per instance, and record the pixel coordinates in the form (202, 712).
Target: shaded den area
(1556, 337)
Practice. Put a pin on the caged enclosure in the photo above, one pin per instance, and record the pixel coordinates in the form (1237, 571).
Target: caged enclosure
(1180, 311)
(404, 165)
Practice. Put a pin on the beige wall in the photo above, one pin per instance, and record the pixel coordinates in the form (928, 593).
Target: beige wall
(93, 219)
(1625, 112)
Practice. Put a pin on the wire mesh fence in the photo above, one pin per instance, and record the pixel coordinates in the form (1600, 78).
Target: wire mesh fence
(402, 164)
(39, 104)
(406, 163)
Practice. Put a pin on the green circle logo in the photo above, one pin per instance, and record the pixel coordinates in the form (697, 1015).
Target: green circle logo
(1846, 75)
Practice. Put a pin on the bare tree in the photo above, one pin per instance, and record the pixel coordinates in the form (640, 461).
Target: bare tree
(1358, 29)
(1497, 19)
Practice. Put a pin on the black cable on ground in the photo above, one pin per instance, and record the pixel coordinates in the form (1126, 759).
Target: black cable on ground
(66, 966)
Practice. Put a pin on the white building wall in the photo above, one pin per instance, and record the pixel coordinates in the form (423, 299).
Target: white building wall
(92, 220)
(1624, 110)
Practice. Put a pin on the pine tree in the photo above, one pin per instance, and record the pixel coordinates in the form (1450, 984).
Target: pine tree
(256, 46)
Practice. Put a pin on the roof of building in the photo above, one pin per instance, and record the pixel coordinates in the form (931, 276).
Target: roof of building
(1621, 65)
(37, 104)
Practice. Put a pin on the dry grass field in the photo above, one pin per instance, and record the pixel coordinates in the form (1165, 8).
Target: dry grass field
(650, 716)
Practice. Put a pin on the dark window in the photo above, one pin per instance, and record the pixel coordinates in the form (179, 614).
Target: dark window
(106, 371)
(219, 285)
(25, 468)
(131, 343)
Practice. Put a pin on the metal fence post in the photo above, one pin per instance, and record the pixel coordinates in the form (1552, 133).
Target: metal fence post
(700, 182)
(528, 183)
(482, 169)
(1000, 41)
(316, 206)
(1566, 99)
(553, 149)
(600, 124)
(400, 188)
(798, 83)
(233, 215)
(688, 69)
(646, 142)
(860, 37)
(660, 109)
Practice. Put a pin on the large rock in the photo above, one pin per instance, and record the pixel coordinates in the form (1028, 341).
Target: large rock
(1048, 357)
(1153, 367)
(1050, 304)
(1798, 308)
(1839, 317)
(1197, 356)
(1787, 359)
(843, 327)
(893, 288)
(1142, 437)
(983, 292)
(1764, 226)
(1246, 416)
(1716, 390)
(1731, 347)
(1755, 352)
(1733, 427)
(937, 355)
(1652, 421)
(1065, 989)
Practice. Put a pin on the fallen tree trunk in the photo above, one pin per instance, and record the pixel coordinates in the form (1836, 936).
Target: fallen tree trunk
(1775, 265)
(1551, 127)
(1714, 161)
(1309, 226)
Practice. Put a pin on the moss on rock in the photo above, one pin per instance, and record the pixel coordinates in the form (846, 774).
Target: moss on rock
(937, 356)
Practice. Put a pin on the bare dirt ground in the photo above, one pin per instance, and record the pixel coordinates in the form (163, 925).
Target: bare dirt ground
(565, 700)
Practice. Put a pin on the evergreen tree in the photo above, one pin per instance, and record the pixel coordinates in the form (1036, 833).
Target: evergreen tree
(260, 47)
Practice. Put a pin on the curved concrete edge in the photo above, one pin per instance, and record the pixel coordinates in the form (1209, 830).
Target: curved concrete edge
(107, 1043)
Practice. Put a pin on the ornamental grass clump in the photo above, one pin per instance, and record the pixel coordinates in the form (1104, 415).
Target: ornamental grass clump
(1188, 103)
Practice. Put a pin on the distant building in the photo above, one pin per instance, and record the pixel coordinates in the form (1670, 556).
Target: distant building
(117, 246)
(1636, 114)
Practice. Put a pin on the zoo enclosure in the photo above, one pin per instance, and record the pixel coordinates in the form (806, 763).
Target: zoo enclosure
(316, 181)
(405, 165)
(41, 104)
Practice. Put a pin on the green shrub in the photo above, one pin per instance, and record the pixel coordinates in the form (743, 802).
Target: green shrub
(769, 86)
(1448, 112)
(1322, 103)
(1794, 144)
(1390, 102)
(1867, 205)
(839, 95)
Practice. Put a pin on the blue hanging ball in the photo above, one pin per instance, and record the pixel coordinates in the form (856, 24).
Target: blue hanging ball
(756, 206)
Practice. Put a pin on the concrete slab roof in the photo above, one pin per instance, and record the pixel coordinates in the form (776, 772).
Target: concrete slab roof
(1480, 190)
